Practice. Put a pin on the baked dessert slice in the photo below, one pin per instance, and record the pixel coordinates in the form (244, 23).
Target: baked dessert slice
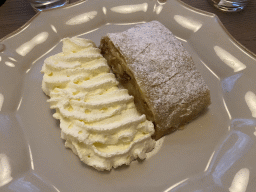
(157, 70)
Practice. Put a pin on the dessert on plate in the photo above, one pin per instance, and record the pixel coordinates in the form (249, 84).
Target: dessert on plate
(157, 70)
(98, 120)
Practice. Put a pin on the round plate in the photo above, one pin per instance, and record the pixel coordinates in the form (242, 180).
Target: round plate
(215, 152)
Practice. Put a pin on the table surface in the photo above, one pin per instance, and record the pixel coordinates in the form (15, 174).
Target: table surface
(241, 25)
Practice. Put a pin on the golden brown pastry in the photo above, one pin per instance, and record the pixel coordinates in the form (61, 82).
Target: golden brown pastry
(157, 70)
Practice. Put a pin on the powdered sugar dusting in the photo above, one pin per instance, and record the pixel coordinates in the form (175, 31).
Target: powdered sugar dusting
(164, 71)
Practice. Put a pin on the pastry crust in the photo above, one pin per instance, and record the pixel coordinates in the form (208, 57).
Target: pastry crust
(157, 70)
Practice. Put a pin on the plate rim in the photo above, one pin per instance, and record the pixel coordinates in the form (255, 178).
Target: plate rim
(196, 10)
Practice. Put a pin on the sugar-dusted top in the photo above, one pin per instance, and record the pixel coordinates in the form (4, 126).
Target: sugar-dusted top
(162, 67)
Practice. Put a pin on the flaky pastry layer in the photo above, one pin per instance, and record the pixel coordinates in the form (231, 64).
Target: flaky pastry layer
(157, 70)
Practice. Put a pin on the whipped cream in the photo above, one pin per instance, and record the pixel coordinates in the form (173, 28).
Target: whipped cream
(98, 120)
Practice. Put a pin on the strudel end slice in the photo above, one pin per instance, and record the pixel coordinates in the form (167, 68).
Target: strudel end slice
(157, 70)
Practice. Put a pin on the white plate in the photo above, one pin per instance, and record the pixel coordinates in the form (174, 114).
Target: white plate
(215, 152)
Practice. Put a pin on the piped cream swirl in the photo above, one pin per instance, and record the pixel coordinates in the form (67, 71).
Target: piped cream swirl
(98, 120)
